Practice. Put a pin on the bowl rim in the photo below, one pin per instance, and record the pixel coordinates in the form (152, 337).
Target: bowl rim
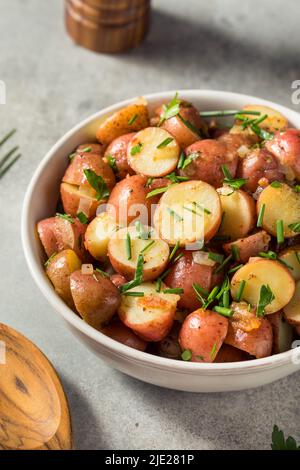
(112, 346)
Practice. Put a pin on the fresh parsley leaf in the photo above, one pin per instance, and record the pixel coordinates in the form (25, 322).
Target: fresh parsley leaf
(98, 183)
(136, 149)
(82, 218)
(295, 227)
(112, 163)
(171, 109)
(266, 296)
(66, 217)
(192, 156)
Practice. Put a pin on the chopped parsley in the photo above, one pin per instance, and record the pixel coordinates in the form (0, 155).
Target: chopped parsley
(266, 296)
(98, 183)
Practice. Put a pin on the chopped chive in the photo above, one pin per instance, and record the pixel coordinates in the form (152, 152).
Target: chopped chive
(181, 161)
(241, 290)
(285, 264)
(165, 143)
(178, 257)
(201, 208)
(112, 163)
(170, 110)
(86, 150)
(82, 218)
(157, 191)
(225, 298)
(177, 290)
(72, 155)
(268, 254)
(149, 182)
(138, 277)
(235, 252)
(66, 217)
(128, 246)
(213, 350)
(190, 125)
(176, 179)
(132, 119)
(136, 149)
(191, 210)
(216, 257)
(260, 119)
(7, 136)
(158, 284)
(98, 183)
(147, 247)
(142, 233)
(186, 355)
(226, 260)
(7, 167)
(276, 184)
(174, 250)
(225, 311)
(174, 214)
(103, 273)
(192, 156)
(297, 256)
(198, 289)
(226, 172)
(228, 112)
(262, 133)
(279, 231)
(50, 259)
(8, 155)
(134, 294)
(261, 215)
(236, 268)
(165, 273)
(297, 188)
(295, 227)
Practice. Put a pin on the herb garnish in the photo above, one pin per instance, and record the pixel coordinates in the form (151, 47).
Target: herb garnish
(142, 233)
(134, 294)
(165, 143)
(175, 178)
(98, 183)
(170, 110)
(67, 217)
(147, 247)
(50, 259)
(132, 119)
(86, 150)
(226, 312)
(228, 112)
(276, 184)
(233, 183)
(226, 260)
(266, 296)
(103, 273)
(128, 246)
(138, 277)
(213, 350)
(82, 218)
(112, 163)
(136, 149)
(157, 191)
(192, 156)
(279, 231)
(216, 257)
(295, 227)
(186, 355)
(181, 161)
(177, 290)
(235, 252)
(174, 250)
(174, 214)
(280, 443)
(261, 215)
(241, 290)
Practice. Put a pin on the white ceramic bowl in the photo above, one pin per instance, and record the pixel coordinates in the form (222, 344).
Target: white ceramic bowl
(40, 202)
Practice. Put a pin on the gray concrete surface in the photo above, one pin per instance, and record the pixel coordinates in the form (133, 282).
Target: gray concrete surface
(248, 46)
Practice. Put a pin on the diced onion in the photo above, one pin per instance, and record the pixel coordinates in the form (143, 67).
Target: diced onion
(87, 269)
(202, 257)
(243, 151)
(225, 190)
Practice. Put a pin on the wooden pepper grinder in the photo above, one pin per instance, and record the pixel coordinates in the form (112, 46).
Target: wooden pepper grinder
(109, 26)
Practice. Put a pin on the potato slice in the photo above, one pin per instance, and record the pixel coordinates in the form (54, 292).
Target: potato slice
(281, 203)
(238, 213)
(275, 120)
(266, 272)
(153, 152)
(155, 257)
(249, 246)
(132, 118)
(291, 256)
(188, 212)
(292, 309)
(151, 317)
(75, 200)
(98, 233)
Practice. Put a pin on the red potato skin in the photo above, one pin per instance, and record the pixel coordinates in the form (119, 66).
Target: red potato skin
(230, 354)
(257, 165)
(184, 273)
(75, 171)
(71, 203)
(179, 130)
(95, 148)
(118, 150)
(285, 146)
(297, 329)
(121, 333)
(249, 246)
(208, 166)
(234, 141)
(257, 342)
(203, 333)
(57, 234)
(118, 280)
(132, 191)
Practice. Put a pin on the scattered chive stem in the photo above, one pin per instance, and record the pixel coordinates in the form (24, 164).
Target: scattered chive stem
(177, 290)
(7, 136)
(241, 290)
(228, 112)
(147, 247)
(157, 191)
(174, 250)
(235, 252)
(8, 155)
(279, 231)
(225, 311)
(181, 161)
(132, 119)
(225, 299)
(235, 268)
(8, 167)
(165, 142)
(174, 214)
(226, 260)
(136, 149)
(133, 294)
(186, 355)
(128, 247)
(261, 215)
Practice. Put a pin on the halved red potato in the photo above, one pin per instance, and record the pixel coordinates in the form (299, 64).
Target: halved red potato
(96, 298)
(151, 317)
(59, 269)
(285, 146)
(117, 150)
(153, 152)
(57, 234)
(230, 354)
(249, 246)
(121, 333)
(98, 233)
(292, 309)
(282, 333)
(259, 166)
(75, 200)
(90, 148)
(291, 256)
(237, 143)
(118, 280)
(249, 333)
(206, 160)
(155, 252)
(275, 120)
(188, 212)
(239, 212)
(128, 200)
(186, 126)
(266, 272)
(88, 161)
(281, 203)
(203, 333)
(133, 117)
(169, 346)
(193, 267)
